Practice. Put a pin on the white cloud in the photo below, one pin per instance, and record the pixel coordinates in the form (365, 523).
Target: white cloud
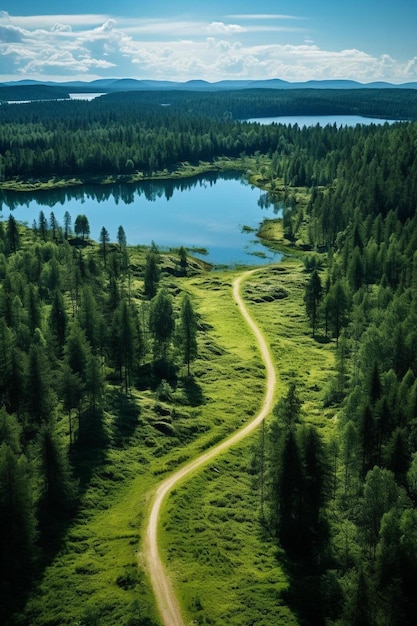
(61, 28)
(224, 29)
(100, 45)
(34, 22)
(9, 34)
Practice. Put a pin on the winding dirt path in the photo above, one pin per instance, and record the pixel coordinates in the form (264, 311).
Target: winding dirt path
(164, 594)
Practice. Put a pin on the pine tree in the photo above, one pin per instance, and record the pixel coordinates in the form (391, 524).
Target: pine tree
(39, 394)
(56, 483)
(58, 321)
(182, 253)
(43, 226)
(67, 224)
(288, 409)
(104, 240)
(13, 235)
(161, 324)
(94, 385)
(187, 332)
(71, 391)
(152, 273)
(90, 317)
(54, 226)
(312, 299)
(121, 238)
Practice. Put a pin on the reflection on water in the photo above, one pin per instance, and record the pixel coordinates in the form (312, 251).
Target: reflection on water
(128, 193)
(215, 211)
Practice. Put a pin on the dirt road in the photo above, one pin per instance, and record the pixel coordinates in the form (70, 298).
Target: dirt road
(164, 594)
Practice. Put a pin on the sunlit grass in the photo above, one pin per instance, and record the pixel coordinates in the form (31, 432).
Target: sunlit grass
(224, 570)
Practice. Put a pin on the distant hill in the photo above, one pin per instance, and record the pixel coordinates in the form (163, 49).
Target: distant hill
(32, 91)
(18, 90)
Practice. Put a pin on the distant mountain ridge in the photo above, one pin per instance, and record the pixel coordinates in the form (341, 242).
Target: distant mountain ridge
(131, 84)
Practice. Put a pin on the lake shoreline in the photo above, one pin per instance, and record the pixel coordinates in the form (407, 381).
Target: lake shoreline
(187, 211)
(183, 171)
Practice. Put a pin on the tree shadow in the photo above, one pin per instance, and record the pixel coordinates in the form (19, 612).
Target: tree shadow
(55, 518)
(192, 391)
(90, 450)
(150, 375)
(314, 594)
(127, 418)
(304, 595)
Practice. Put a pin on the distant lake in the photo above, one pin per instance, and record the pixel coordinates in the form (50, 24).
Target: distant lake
(85, 96)
(218, 212)
(322, 120)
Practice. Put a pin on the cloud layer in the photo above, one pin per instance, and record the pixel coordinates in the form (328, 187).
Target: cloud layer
(92, 46)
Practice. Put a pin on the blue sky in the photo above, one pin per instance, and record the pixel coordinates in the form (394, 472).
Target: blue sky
(181, 40)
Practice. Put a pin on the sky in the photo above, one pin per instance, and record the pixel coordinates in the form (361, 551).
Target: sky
(181, 40)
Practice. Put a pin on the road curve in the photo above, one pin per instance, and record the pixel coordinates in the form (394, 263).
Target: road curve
(165, 597)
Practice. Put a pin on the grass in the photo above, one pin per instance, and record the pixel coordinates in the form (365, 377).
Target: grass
(94, 576)
(225, 570)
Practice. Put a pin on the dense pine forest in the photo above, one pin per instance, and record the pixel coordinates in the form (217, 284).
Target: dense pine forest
(353, 501)
(122, 133)
(74, 341)
(75, 338)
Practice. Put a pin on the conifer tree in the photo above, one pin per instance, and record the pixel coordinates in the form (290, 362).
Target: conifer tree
(104, 240)
(67, 224)
(161, 323)
(39, 393)
(58, 321)
(56, 483)
(13, 235)
(187, 332)
(152, 272)
(312, 299)
(43, 226)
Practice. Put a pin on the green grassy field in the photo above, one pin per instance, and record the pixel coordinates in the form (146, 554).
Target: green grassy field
(225, 570)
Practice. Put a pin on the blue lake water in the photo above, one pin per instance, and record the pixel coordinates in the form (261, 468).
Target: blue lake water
(214, 211)
(218, 212)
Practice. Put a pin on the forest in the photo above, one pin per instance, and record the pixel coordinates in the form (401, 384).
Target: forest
(123, 133)
(354, 503)
(75, 339)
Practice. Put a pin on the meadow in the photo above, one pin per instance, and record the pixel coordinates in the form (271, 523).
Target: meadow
(223, 566)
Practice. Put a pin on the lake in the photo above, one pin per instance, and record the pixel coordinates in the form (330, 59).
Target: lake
(219, 212)
(321, 120)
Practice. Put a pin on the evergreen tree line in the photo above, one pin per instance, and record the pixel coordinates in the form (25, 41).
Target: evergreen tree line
(345, 511)
(70, 330)
(66, 138)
